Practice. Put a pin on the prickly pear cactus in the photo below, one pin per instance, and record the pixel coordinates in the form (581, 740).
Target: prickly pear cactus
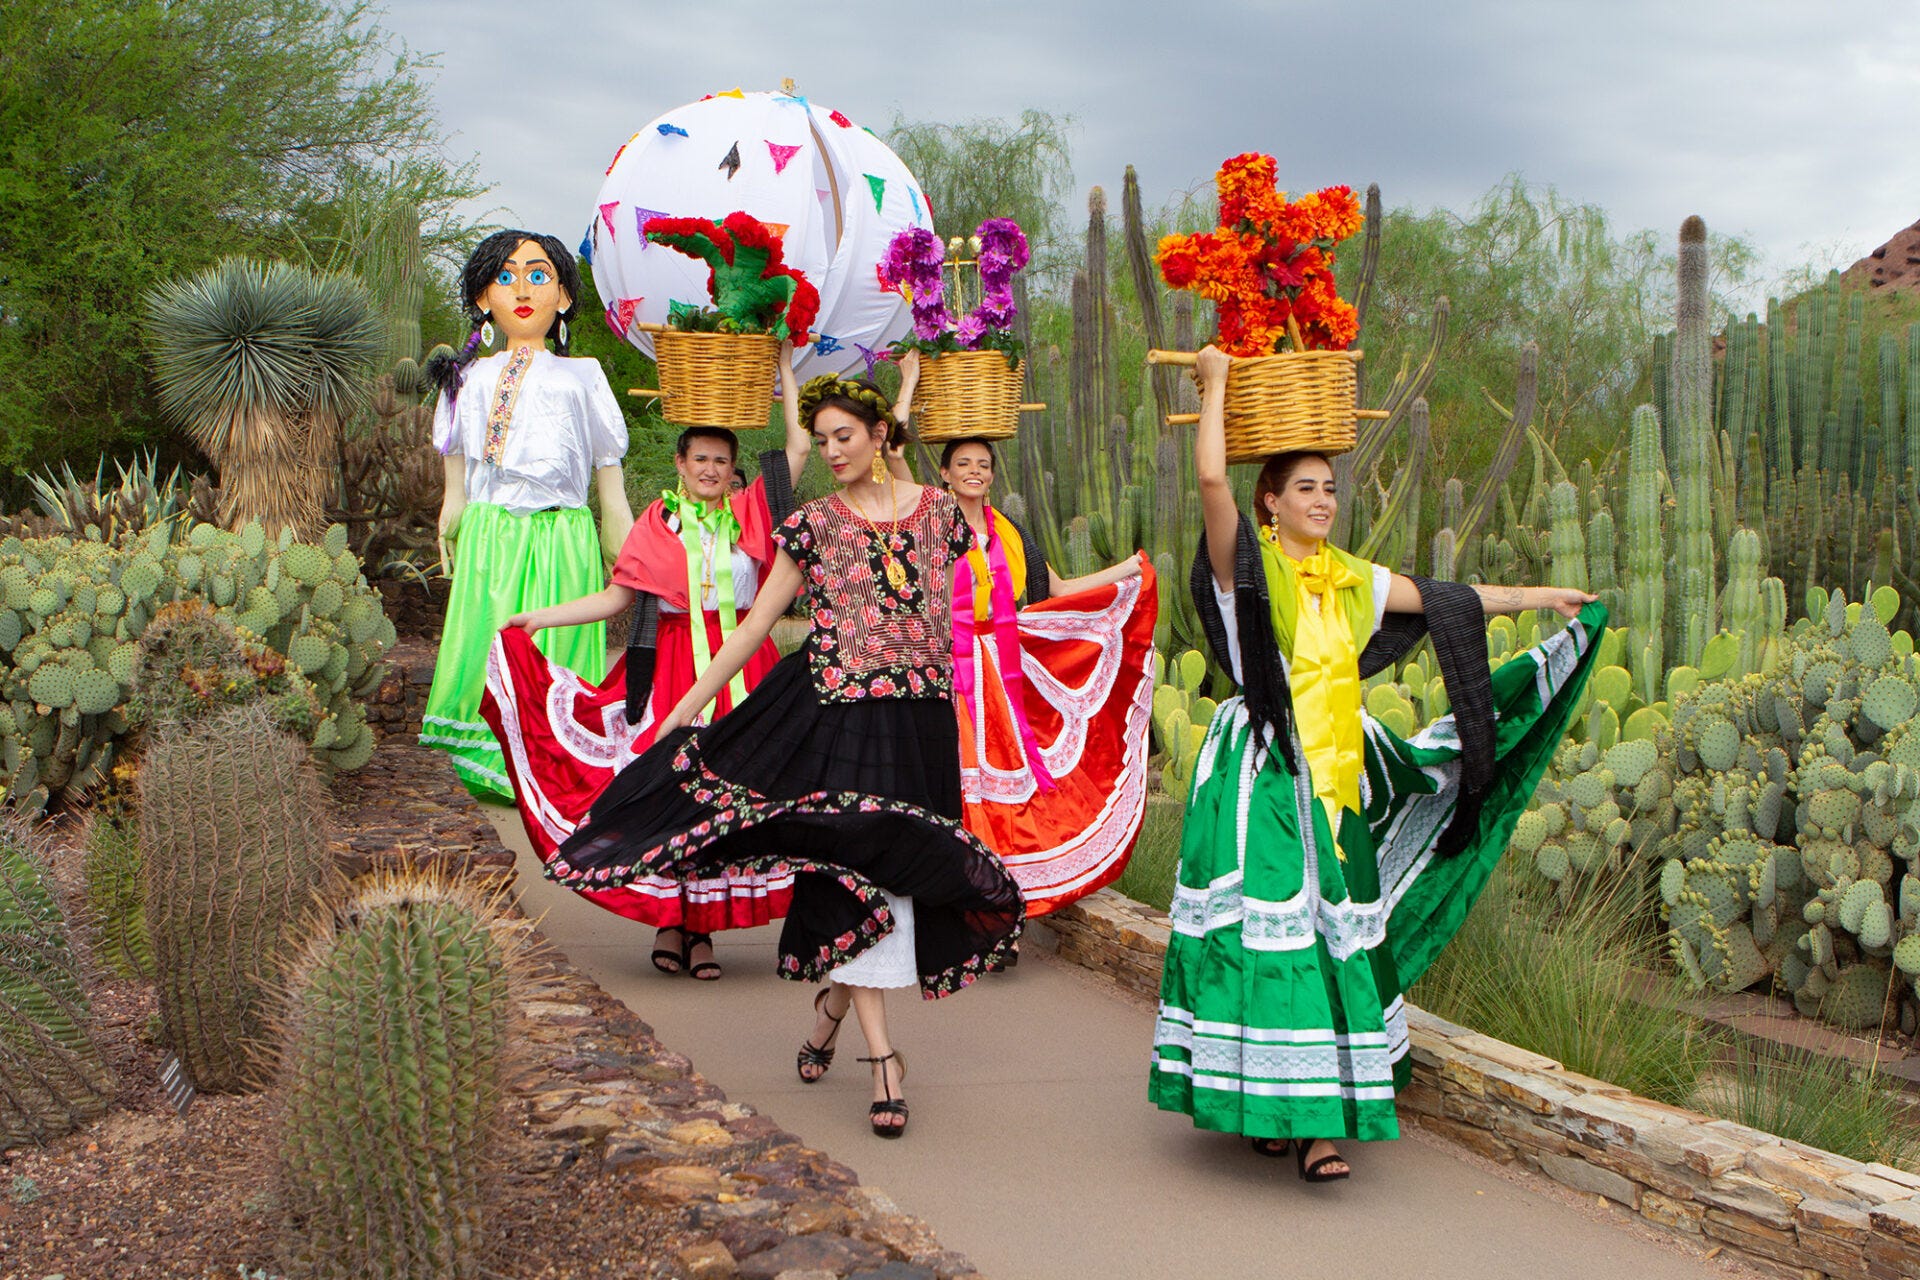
(73, 609)
(52, 1078)
(396, 1033)
(233, 834)
(1797, 818)
(1180, 718)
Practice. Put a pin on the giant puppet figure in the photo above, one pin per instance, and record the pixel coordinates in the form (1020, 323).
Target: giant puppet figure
(526, 431)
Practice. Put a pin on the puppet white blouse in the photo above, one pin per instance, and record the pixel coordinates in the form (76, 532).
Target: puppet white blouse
(566, 424)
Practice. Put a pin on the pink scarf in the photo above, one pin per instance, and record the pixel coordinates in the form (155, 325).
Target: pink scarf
(1006, 639)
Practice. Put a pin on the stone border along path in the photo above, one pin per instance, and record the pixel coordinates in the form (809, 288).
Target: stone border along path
(1785, 1208)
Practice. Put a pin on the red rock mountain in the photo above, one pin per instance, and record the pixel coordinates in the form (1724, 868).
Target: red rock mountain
(1894, 266)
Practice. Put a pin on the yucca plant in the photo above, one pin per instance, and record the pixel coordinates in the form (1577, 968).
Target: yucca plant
(261, 362)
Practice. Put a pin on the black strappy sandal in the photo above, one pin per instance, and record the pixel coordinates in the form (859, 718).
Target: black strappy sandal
(1274, 1147)
(820, 1056)
(892, 1106)
(706, 970)
(670, 960)
(1317, 1171)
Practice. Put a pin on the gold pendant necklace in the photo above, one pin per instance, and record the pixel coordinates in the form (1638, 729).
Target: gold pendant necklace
(895, 571)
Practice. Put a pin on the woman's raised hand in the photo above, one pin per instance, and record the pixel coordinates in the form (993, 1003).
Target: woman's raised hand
(527, 622)
(1210, 367)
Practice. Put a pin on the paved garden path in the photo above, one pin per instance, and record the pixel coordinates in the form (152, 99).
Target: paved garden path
(1034, 1151)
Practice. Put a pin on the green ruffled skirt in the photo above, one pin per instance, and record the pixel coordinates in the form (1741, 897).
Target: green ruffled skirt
(506, 564)
(1280, 1006)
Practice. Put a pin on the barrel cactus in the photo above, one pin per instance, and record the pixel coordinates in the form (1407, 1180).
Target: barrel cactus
(116, 913)
(52, 1078)
(395, 1034)
(233, 834)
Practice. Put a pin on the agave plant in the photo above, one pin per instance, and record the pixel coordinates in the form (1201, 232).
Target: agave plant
(261, 362)
(143, 498)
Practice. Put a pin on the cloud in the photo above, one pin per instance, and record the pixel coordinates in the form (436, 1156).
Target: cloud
(1778, 121)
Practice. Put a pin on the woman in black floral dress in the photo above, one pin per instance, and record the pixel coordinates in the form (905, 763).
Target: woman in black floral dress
(843, 763)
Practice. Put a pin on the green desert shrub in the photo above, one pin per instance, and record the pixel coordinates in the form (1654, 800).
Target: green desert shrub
(1823, 1102)
(1570, 984)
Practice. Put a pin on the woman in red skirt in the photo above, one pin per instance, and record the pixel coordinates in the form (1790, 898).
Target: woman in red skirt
(565, 739)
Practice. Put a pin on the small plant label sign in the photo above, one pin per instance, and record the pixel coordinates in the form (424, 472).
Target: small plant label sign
(179, 1089)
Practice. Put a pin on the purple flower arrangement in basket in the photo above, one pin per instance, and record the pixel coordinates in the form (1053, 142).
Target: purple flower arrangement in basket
(916, 263)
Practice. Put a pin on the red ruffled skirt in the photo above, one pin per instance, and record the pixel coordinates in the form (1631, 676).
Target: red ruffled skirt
(565, 739)
(1088, 671)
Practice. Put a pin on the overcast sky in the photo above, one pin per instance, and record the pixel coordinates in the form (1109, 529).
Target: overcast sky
(1788, 123)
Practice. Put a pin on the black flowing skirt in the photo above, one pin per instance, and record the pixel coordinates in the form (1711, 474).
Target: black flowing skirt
(853, 797)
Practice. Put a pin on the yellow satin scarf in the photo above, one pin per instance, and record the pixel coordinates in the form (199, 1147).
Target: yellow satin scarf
(1325, 669)
(983, 572)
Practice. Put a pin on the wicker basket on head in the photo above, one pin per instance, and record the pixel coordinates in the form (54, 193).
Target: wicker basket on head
(1295, 400)
(967, 395)
(717, 379)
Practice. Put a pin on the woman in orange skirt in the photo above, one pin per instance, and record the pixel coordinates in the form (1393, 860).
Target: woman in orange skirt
(1053, 685)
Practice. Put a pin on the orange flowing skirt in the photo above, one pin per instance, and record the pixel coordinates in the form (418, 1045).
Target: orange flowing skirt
(1088, 671)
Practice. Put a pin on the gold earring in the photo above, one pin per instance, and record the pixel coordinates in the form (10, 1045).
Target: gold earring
(1273, 522)
(880, 465)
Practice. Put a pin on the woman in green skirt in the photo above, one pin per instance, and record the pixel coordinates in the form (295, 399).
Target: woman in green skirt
(1324, 860)
(525, 433)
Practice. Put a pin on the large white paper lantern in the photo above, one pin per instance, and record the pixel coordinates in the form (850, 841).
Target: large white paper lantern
(834, 187)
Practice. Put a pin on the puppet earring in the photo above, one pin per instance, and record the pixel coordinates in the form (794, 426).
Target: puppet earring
(563, 331)
(486, 329)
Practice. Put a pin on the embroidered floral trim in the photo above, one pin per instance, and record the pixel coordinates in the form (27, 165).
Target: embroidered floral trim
(738, 808)
(500, 412)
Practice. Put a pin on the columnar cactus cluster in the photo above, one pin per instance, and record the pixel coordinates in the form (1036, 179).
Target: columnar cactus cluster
(52, 1078)
(73, 610)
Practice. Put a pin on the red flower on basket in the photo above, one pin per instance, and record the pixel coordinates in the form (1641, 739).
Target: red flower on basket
(752, 287)
(1269, 261)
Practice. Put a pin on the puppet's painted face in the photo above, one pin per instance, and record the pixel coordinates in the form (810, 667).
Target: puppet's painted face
(525, 296)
